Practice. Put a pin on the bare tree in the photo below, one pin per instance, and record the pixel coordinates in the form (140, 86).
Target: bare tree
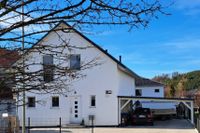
(37, 17)
(42, 15)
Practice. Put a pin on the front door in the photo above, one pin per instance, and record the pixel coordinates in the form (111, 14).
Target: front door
(75, 110)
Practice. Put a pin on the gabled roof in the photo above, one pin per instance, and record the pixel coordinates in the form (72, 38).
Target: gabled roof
(127, 70)
(120, 65)
(146, 82)
(139, 80)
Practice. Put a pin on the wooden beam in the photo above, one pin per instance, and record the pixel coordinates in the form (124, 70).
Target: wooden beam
(187, 105)
(123, 106)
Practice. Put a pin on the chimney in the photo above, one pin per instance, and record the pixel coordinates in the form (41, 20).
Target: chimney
(120, 58)
(106, 50)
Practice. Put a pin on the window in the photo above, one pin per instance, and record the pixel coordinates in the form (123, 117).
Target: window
(48, 68)
(93, 101)
(138, 92)
(48, 59)
(75, 62)
(55, 101)
(31, 101)
(156, 90)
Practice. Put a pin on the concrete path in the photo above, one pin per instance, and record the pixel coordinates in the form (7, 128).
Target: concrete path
(168, 126)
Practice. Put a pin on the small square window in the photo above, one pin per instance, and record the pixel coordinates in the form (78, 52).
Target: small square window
(76, 111)
(76, 102)
(75, 107)
(157, 90)
(76, 115)
(31, 101)
(55, 101)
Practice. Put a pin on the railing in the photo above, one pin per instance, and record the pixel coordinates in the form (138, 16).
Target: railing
(49, 123)
(56, 125)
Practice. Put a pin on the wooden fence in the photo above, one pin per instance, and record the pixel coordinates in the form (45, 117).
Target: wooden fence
(9, 124)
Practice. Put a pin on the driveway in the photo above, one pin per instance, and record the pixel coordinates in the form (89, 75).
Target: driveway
(168, 126)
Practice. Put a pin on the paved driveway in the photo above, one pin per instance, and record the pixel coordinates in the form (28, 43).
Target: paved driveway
(168, 126)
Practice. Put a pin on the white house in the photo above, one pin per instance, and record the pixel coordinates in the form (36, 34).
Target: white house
(148, 88)
(95, 94)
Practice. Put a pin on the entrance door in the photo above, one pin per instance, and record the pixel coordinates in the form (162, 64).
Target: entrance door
(75, 110)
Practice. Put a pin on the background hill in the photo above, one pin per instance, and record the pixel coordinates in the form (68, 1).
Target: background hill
(178, 85)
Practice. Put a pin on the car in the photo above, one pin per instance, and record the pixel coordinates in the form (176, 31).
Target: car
(142, 116)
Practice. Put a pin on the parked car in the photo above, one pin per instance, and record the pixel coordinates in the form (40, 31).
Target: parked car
(142, 116)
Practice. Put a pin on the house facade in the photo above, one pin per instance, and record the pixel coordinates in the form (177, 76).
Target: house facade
(94, 94)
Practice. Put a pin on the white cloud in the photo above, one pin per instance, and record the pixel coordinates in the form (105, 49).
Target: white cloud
(184, 44)
(190, 7)
(187, 4)
(13, 18)
(182, 47)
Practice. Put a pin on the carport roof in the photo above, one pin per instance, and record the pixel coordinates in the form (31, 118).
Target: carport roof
(157, 98)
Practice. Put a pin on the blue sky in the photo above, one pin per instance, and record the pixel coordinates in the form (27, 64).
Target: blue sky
(169, 44)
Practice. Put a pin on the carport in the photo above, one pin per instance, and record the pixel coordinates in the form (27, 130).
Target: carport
(123, 102)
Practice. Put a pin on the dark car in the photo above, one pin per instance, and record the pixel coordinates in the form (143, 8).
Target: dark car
(142, 116)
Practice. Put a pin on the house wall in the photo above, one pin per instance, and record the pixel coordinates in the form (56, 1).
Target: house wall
(150, 92)
(126, 84)
(44, 114)
(96, 81)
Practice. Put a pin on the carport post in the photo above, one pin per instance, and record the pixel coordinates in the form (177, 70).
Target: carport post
(119, 111)
(192, 112)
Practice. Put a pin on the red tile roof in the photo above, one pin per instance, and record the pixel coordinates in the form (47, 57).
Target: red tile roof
(7, 57)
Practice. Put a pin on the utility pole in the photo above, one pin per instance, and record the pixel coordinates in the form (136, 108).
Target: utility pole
(23, 76)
